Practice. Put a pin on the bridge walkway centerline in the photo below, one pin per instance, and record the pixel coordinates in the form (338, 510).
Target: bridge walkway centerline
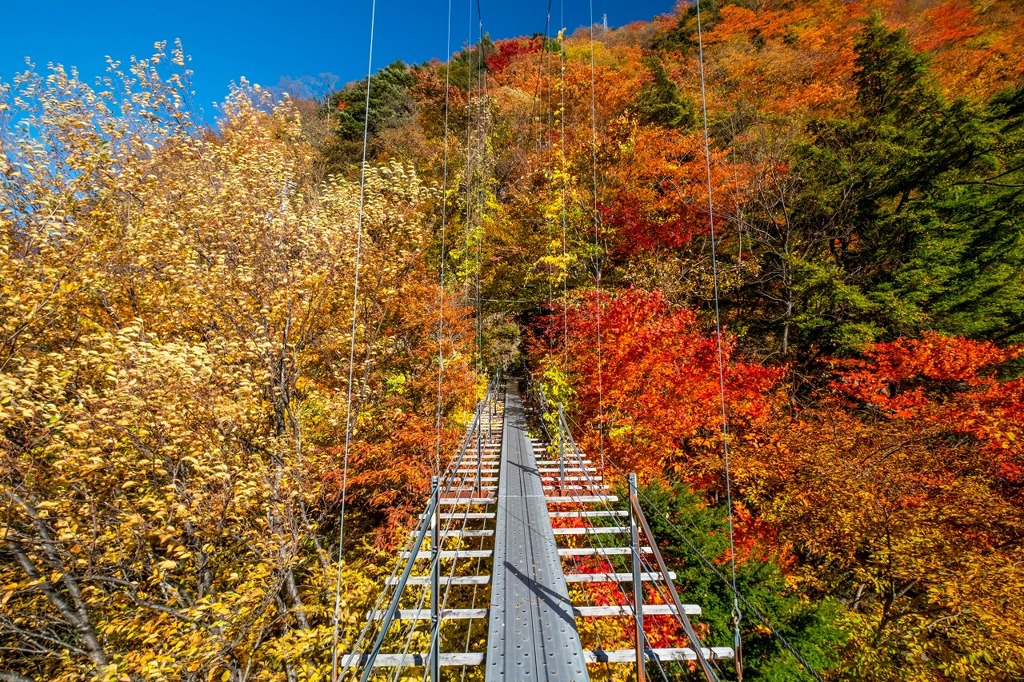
(532, 633)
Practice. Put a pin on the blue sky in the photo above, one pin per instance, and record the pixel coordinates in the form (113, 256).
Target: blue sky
(265, 41)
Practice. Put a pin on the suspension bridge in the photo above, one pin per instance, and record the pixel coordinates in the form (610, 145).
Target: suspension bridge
(493, 582)
(511, 533)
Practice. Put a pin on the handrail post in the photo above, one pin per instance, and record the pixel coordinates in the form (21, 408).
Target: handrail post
(561, 447)
(684, 620)
(435, 585)
(638, 587)
(479, 453)
(491, 395)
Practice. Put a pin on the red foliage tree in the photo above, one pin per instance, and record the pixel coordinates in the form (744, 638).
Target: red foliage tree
(506, 50)
(658, 389)
(946, 381)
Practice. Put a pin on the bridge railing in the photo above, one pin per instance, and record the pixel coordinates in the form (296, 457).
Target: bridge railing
(429, 523)
(639, 529)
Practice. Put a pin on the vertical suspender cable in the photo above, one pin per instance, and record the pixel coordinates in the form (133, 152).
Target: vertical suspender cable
(736, 613)
(564, 180)
(352, 351)
(481, 189)
(444, 231)
(469, 156)
(597, 246)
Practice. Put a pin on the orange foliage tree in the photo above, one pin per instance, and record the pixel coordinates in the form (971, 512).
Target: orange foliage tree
(900, 494)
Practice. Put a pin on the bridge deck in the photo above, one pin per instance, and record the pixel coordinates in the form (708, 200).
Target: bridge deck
(532, 628)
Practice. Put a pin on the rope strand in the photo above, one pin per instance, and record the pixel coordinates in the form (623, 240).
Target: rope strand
(352, 351)
(444, 231)
(737, 614)
(597, 245)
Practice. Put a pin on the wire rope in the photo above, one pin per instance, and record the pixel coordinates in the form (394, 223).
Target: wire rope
(737, 614)
(444, 231)
(563, 181)
(352, 350)
(597, 244)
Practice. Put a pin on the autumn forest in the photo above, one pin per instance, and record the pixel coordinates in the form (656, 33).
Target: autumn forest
(178, 376)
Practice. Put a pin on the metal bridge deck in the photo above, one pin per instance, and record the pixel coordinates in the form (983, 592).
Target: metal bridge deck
(532, 632)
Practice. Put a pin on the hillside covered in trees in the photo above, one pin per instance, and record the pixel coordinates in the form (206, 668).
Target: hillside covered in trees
(176, 311)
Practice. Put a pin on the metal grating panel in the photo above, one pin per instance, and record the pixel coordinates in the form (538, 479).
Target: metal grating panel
(532, 628)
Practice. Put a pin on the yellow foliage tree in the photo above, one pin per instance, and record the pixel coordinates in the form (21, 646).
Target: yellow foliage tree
(174, 336)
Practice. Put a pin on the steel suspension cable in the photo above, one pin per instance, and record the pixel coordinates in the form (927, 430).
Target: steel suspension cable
(469, 156)
(534, 116)
(737, 614)
(444, 230)
(483, 184)
(352, 351)
(597, 244)
(563, 182)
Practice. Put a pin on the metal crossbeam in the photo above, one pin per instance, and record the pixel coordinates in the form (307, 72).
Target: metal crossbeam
(579, 499)
(587, 513)
(591, 530)
(424, 614)
(613, 577)
(648, 610)
(445, 580)
(629, 655)
(600, 551)
(412, 660)
(577, 612)
(465, 515)
(452, 554)
(458, 533)
(473, 658)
